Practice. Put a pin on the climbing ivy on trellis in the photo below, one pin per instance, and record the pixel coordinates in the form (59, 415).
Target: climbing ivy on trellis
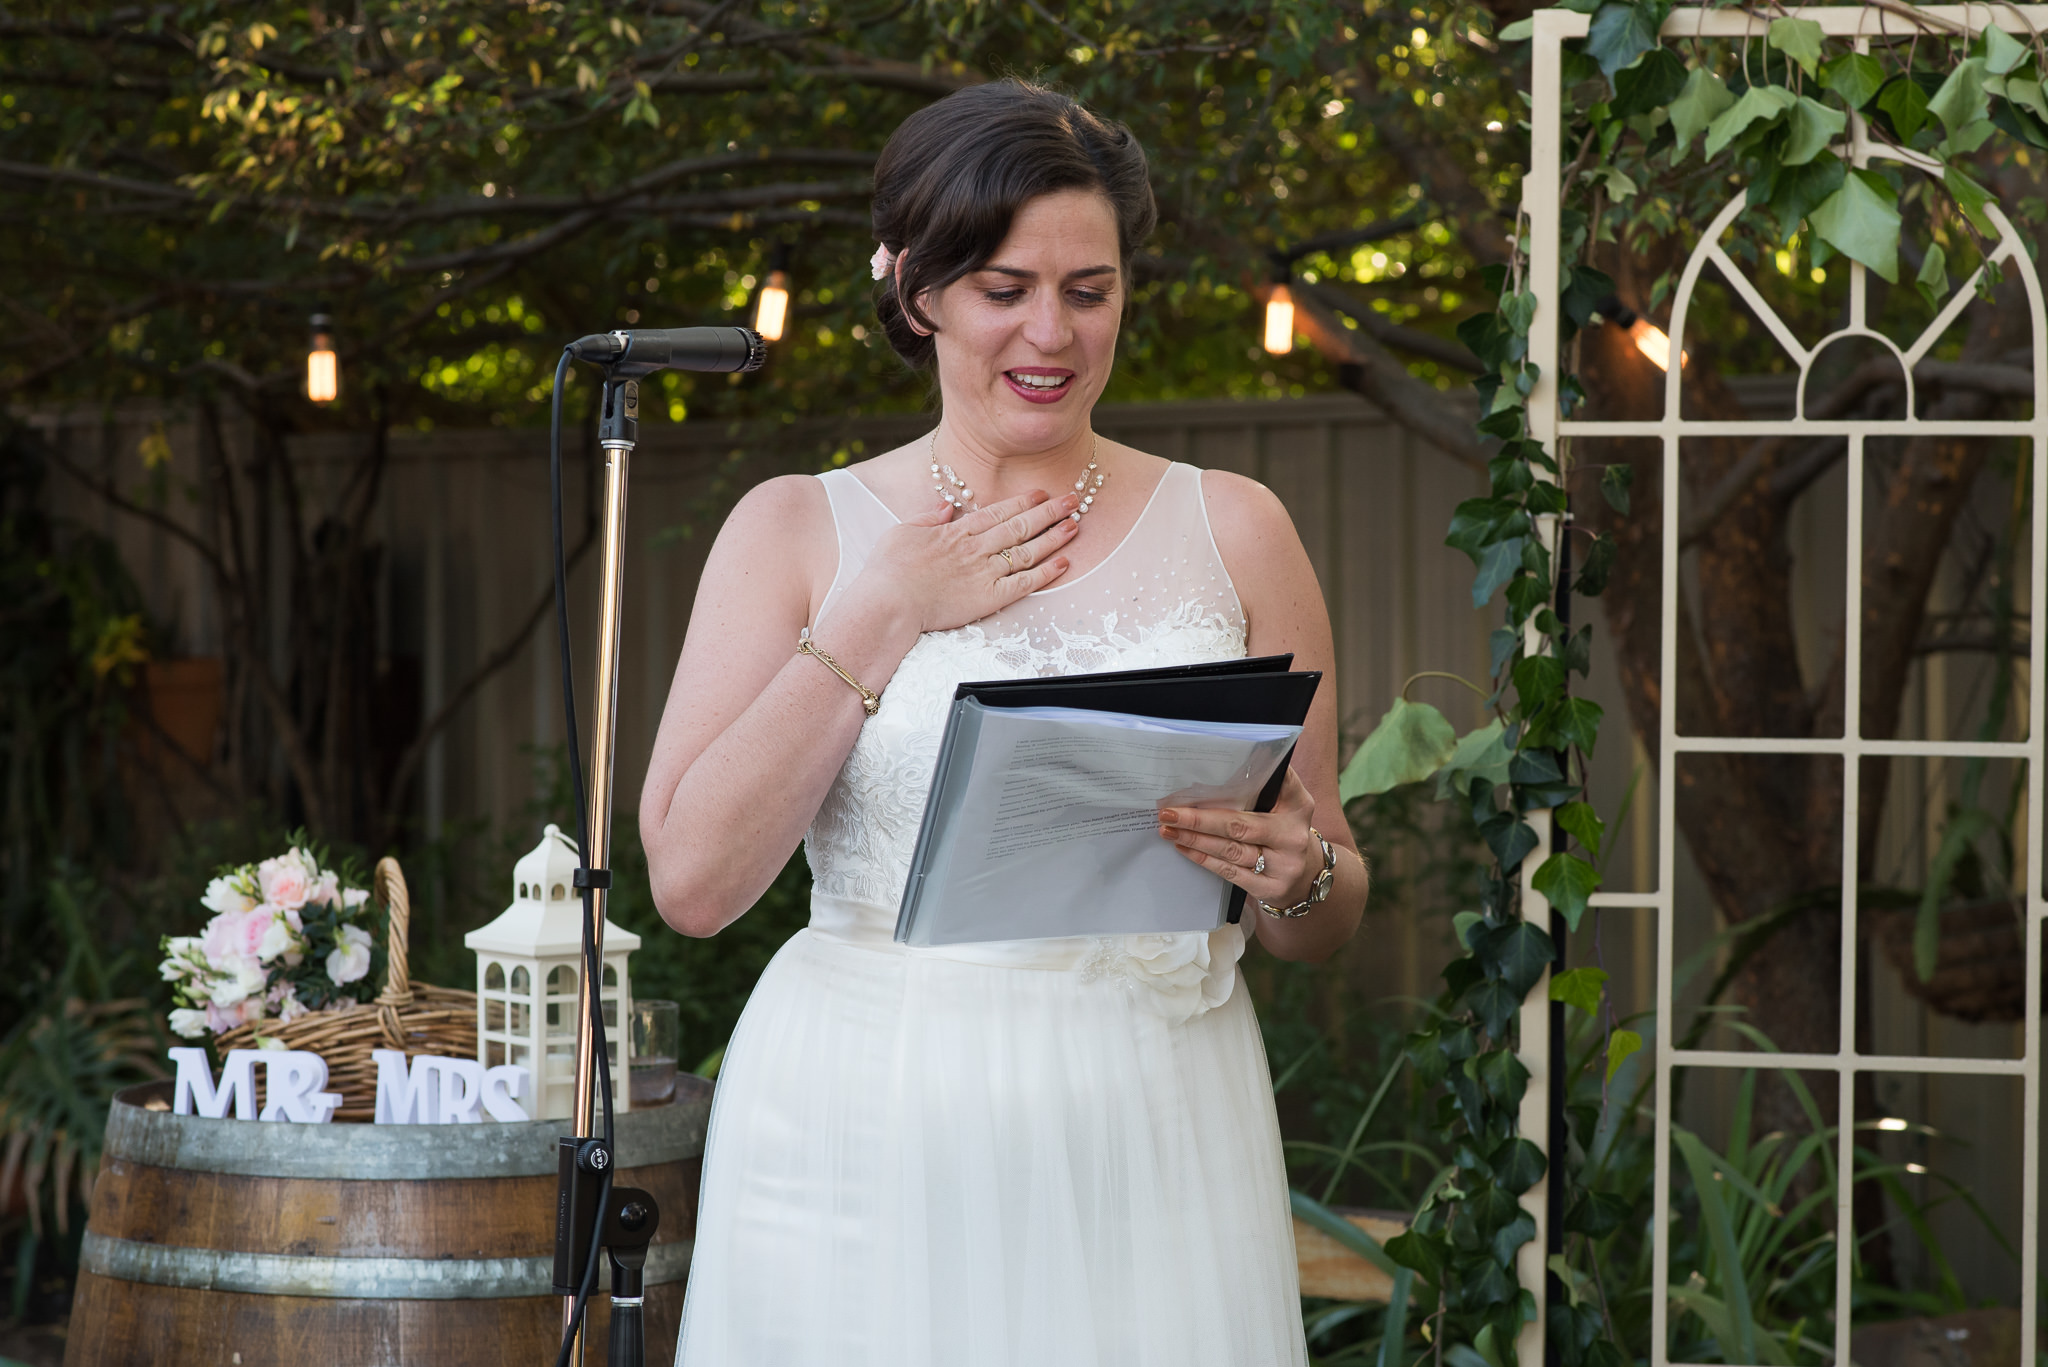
(1654, 135)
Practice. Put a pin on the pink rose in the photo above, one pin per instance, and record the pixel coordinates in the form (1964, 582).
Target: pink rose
(326, 890)
(233, 935)
(286, 880)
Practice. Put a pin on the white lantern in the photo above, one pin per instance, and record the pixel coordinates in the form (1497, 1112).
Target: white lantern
(528, 967)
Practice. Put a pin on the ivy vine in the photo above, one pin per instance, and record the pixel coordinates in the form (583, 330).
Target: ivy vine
(1656, 134)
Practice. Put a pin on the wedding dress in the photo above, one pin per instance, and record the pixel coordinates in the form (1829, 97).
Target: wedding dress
(1048, 1153)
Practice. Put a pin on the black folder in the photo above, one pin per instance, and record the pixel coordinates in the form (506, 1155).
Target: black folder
(1253, 689)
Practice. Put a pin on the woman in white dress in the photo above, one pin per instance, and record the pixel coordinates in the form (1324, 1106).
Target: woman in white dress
(1046, 1153)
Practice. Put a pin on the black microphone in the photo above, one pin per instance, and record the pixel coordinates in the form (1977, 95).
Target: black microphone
(628, 355)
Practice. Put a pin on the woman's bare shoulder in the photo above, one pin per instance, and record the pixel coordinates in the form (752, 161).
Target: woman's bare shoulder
(1252, 528)
(777, 538)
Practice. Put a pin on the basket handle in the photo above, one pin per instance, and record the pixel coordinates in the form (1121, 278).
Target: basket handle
(389, 883)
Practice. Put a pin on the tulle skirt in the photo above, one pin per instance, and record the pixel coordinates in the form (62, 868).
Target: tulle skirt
(920, 1161)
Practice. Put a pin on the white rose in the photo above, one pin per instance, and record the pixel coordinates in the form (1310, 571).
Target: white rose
(354, 897)
(277, 938)
(239, 980)
(222, 894)
(351, 957)
(188, 1023)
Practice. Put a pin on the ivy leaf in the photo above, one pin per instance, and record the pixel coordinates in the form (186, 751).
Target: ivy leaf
(1504, 1077)
(1567, 881)
(1855, 76)
(1971, 198)
(1798, 39)
(1906, 103)
(1411, 742)
(1512, 1236)
(1583, 824)
(1509, 476)
(1862, 225)
(1497, 565)
(1614, 484)
(1596, 1214)
(1591, 580)
(1501, 644)
(1510, 838)
(1620, 1045)
(1578, 723)
(1961, 101)
(2025, 93)
(1482, 755)
(1704, 98)
(1813, 126)
(1967, 139)
(1932, 281)
(1620, 33)
(1479, 521)
(1579, 987)
(1426, 1058)
(1495, 1003)
(1650, 84)
(1520, 952)
(1798, 190)
(1759, 103)
(2002, 51)
(1424, 1254)
(1577, 652)
(1517, 1166)
(1521, 31)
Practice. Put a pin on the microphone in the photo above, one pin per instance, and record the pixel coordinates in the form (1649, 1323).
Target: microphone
(628, 355)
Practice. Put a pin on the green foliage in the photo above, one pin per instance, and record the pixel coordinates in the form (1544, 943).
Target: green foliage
(1411, 742)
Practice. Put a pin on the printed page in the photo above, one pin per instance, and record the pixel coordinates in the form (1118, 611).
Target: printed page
(1055, 831)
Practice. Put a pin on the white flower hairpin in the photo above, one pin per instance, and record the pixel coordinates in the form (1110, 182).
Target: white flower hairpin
(880, 262)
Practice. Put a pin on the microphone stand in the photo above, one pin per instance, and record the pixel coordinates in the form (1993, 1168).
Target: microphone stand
(589, 1208)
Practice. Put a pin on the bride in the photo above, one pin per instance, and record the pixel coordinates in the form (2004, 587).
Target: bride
(1060, 1153)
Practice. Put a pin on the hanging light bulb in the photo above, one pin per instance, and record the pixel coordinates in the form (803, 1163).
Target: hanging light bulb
(1280, 320)
(771, 306)
(323, 374)
(1653, 342)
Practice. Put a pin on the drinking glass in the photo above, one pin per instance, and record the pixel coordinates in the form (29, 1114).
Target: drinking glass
(655, 1025)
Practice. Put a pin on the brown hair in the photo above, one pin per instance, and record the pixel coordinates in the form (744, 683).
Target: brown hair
(955, 173)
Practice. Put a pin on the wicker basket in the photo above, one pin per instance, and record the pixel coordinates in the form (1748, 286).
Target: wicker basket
(416, 1018)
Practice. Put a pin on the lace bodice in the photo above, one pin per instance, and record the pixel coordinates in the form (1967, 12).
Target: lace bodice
(1162, 597)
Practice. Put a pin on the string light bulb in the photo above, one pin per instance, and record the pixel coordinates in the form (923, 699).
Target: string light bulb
(771, 306)
(1654, 343)
(1279, 320)
(323, 372)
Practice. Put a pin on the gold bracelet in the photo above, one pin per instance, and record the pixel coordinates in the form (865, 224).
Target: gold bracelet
(870, 702)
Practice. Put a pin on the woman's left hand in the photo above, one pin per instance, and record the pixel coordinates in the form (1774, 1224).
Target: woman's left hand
(1230, 843)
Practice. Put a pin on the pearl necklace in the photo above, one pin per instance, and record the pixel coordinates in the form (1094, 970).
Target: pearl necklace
(963, 501)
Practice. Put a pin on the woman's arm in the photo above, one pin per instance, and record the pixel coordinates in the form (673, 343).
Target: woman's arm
(1284, 612)
(754, 733)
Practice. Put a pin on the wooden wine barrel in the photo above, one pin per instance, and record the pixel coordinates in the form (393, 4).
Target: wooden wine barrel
(237, 1242)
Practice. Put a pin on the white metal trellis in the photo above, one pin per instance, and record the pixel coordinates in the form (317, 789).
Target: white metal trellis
(1542, 192)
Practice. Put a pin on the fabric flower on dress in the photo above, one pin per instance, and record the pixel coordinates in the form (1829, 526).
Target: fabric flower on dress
(1177, 977)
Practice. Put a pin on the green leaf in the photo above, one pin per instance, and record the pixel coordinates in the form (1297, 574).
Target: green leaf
(1510, 1237)
(2025, 93)
(1411, 742)
(1583, 824)
(1971, 198)
(1620, 33)
(1580, 987)
(1517, 1166)
(1495, 1003)
(1509, 837)
(1481, 754)
(1620, 1045)
(1799, 190)
(2002, 51)
(1721, 1235)
(1504, 1077)
(1855, 76)
(1521, 952)
(1499, 563)
(1583, 294)
(1425, 1254)
(1862, 225)
(1567, 881)
(1596, 1214)
(1798, 39)
(1932, 281)
(1813, 127)
(1462, 923)
(1650, 84)
(1906, 104)
(1521, 31)
(1578, 723)
(1614, 485)
(1539, 679)
(1961, 101)
(1591, 579)
(1704, 98)
(1760, 103)
(1967, 139)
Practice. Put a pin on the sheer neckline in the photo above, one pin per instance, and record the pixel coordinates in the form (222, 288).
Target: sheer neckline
(1066, 584)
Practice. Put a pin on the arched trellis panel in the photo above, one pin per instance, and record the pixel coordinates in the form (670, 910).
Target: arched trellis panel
(1542, 205)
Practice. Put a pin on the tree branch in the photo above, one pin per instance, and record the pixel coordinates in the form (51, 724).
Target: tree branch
(1374, 372)
(1426, 344)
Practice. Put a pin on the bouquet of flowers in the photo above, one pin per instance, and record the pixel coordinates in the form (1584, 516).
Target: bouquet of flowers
(287, 937)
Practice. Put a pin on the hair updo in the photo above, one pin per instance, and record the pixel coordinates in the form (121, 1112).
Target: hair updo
(955, 173)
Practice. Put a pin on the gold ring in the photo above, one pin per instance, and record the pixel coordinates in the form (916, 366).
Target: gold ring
(1005, 554)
